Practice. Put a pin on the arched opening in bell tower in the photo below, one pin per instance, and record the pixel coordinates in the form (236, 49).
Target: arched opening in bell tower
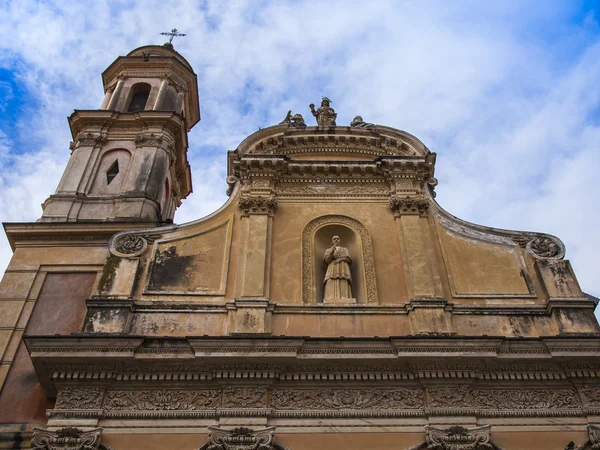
(139, 97)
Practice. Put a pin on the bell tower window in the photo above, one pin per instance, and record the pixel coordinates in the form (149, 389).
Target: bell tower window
(112, 172)
(139, 97)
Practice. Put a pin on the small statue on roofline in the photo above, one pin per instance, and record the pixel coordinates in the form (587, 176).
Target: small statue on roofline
(296, 121)
(325, 114)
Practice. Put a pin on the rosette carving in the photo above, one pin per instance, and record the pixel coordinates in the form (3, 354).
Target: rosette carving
(129, 244)
(545, 247)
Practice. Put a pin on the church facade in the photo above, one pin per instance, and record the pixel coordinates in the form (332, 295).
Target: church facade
(329, 303)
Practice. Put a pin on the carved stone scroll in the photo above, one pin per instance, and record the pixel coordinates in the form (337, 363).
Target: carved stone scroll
(68, 438)
(593, 442)
(460, 438)
(241, 438)
(308, 257)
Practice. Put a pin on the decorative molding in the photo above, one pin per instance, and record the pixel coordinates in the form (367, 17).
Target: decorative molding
(241, 438)
(308, 256)
(329, 190)
(525, 399)
(162, 399)
(68, 438)
(337, 399)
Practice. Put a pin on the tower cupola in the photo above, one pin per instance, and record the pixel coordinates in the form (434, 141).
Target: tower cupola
(129, 158)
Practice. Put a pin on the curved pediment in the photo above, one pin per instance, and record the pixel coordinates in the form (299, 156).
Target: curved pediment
(332, 143)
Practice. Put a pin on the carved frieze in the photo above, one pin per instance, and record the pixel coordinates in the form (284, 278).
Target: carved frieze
(162, 399)
(318, 399)
(409, 206)
(79, 398)
(518, 399)
(68, 438)
(241, 438)
(444, 397)
(258, 204)
(244, 397)
(502, 399)
(591, 396)
(329, 190)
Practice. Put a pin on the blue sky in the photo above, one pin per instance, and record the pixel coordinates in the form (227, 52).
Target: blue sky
(506, 93)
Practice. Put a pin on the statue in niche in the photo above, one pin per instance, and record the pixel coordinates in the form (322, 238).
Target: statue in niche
(338, 280)
(325, 114)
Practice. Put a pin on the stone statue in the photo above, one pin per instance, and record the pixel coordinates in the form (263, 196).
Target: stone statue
(296, 120)
(338, 280)
(358, 122)
(325, 114)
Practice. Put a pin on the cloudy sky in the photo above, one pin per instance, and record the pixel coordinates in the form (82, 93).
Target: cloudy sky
(506, 93)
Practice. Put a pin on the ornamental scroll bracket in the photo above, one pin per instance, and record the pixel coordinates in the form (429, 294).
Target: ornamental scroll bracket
(68, 438)
(241, 438)
(457, 438)
(593, 442)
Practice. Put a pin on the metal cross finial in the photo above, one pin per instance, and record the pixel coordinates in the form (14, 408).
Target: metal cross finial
(173, 33)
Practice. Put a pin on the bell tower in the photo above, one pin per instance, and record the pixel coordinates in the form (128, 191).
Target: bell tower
(129, 158)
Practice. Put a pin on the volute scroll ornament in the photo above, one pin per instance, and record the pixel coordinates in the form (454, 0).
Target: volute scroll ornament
(231, 181)
(457, 438)
(68, 438)
(593, 442)
(241, 438)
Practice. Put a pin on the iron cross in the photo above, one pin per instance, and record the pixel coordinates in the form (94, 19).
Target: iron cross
(173, 33)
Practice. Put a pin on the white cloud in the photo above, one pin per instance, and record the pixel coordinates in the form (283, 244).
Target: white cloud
(506, 94)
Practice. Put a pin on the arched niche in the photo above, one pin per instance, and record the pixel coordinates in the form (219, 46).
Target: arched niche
(316, 238)
(110, 174)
